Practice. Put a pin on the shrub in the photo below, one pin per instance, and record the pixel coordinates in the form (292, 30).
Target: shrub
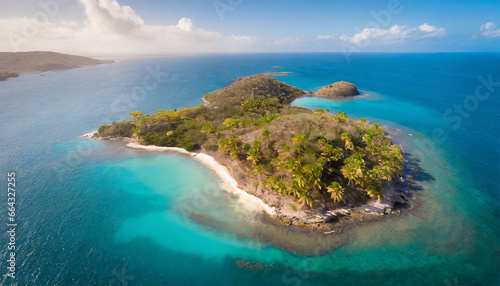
(189, 146)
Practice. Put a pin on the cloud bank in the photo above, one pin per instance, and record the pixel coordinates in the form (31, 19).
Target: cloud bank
(111, 28)
(374, 36)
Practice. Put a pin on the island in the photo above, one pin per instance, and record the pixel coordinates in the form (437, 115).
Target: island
(338, 89)
(13, 64)
(308, 168)
(276, 73)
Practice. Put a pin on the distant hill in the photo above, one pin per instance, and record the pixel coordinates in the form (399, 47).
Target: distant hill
(12, 64)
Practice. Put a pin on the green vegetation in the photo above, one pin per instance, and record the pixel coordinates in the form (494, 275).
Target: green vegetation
(290, 150)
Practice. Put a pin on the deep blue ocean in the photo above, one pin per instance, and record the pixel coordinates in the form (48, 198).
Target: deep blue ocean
(98, 213)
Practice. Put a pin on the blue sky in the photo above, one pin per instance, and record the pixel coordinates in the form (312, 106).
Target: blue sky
(152, 27)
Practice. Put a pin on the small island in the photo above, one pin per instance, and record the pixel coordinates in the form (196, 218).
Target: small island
(305, 167)
(338, 89)
(13, 64)
(276, 73)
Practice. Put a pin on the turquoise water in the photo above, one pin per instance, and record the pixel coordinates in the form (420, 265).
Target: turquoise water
(96, 213)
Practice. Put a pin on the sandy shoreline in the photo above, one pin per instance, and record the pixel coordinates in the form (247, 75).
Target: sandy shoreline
(221, 171)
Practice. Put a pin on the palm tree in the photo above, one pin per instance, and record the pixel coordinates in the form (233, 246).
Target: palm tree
(354, 168)
(253, 156)
(312, 173)
(224, 144)
(341, 117)
(282, 187)
(299, 140)
(231, 123)
(337, 191)
(375, 191)
(304, 198)
(208, 128)
(373, 182)
(257, 170)
(329, 151)
(270, 182)
(347, 141)
(235, 152)
(137, 134)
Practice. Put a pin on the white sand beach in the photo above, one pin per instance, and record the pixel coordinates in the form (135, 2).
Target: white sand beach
(219, 169)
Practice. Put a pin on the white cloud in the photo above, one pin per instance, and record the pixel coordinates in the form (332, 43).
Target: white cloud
(109, 16)
(287, 41)
(489, 30)
(111, 28)
(488, 26)
(394, 34)
(326, 37)
(185, 24)
(247, 39)
(431, 31)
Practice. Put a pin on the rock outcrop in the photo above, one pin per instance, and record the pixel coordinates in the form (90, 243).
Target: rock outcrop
(338, 89)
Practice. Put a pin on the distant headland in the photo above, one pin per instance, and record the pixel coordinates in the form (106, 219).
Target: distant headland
(13, 64)
(307, 168)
